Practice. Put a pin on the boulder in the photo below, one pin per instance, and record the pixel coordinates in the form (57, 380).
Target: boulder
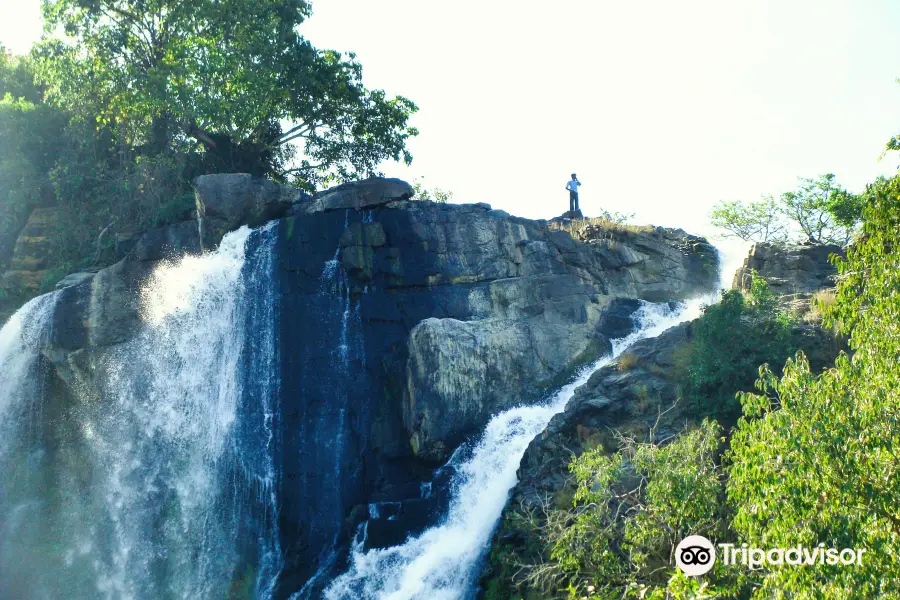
(227, 201)
(358, 195)
(789, 269)
(461, 373)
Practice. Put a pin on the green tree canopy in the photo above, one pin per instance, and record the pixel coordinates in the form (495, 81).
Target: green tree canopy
(28, 129)
(233, 75)
(751, 221)
(818, 210)
(819, 206)
(730, 341)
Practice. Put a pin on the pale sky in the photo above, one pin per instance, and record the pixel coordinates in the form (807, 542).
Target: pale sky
(661, 107)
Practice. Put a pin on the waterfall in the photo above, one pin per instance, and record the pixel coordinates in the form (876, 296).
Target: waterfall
(442, 563)
(20, 342)
(166, 486)
(324, 464)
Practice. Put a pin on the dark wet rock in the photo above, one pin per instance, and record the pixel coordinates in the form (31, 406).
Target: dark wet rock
(167, 243)
(74, 279)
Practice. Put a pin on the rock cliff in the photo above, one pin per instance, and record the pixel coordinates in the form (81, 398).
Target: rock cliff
(450, 314)
(23, 259)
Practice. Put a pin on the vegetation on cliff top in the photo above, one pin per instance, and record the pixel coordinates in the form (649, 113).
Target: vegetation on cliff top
(124, 102)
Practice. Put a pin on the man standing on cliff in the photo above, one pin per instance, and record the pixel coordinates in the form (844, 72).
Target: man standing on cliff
(572, 186)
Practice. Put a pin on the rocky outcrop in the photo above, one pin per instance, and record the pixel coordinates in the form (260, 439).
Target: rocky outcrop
(28, 263)
(359, 195)
(474, 310)
(626, 395)
(74, 279)
(227, 201)
(796, 274)
(790, 270)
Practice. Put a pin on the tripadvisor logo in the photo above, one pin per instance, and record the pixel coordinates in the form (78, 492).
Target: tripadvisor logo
(695, 555)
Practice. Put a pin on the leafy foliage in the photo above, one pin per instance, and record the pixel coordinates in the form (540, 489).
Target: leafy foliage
(757, 221)
(629, 512)
(730, 341)
(28, 151)
(420, 192)
(617, 218)
(819, 210)
(815, 459)
(228, 74)
(125, 101)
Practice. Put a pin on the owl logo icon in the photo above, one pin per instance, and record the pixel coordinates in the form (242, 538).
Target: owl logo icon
(695, 555)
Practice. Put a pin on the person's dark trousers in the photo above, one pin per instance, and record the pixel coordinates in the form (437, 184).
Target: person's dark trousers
(573, 201)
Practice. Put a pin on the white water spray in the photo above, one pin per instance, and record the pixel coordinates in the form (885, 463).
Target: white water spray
(20, 341)
(168, 466)
(441, 563)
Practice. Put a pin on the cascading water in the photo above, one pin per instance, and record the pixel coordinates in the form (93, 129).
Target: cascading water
(442, 562)
(21, 386)
(20, 342)
(166, 487)
(234, 408)
(338, 319)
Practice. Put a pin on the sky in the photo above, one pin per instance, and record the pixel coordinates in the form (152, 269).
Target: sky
(662, 108)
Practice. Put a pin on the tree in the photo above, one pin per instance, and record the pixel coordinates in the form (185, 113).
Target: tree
(231, 75)
(821, 208)
(97, 187)
(630, 509)
(752, 222)
(420, 192)
(815, 459)
(27, 151)
(17, 77)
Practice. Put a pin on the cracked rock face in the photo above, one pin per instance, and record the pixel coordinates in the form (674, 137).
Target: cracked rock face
(794, 273)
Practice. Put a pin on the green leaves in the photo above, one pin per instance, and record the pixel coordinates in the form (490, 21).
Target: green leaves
(234, 75)
(817, 457)
(629, 511)
(818, 210)
(757, 221)
(731, 340)
(29, 132)
(420, 192)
